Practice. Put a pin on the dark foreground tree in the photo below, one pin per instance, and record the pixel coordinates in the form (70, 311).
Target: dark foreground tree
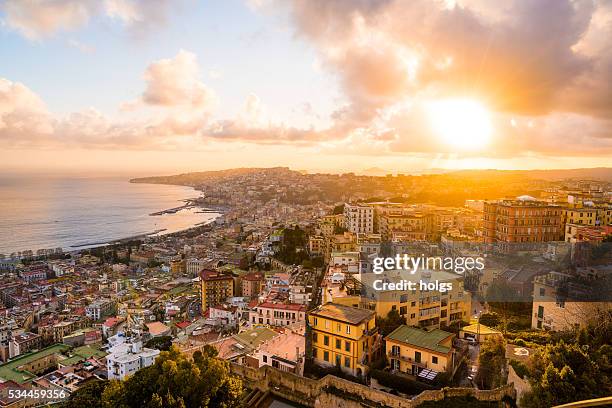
(89, 395)
(173, 381)
(491, 363)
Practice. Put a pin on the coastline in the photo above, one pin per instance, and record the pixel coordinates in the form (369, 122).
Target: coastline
(189, 204)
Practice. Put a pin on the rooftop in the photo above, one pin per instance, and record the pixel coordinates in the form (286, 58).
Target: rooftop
(256, 336)
(429, 340)
(10, 370)
(343, 313)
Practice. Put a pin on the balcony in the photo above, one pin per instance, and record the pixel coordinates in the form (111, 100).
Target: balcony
(407, 359)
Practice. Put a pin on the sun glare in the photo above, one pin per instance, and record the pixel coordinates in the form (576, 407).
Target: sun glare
(461, 123)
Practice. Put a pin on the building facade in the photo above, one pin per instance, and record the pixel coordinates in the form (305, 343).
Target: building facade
(344, 336)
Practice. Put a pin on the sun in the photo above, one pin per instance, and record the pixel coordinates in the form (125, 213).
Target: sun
(461, 123)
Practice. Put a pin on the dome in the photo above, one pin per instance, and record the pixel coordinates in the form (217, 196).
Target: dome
(526, 198)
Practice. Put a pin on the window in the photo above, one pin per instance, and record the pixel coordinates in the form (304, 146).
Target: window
(265, 359)
(315, 321)
(347, 362)
(412, 315)
(327, 324)
(542, 291)
(338, 327)
(314, 337)
(326, 340)
(326, 355)
(314, 352)
(338, 359)
(434, 360)
(413, 304)
(403, 310)
(348, 329)
(338, 344)
(540, 312)
(417, 356)
(347, 346)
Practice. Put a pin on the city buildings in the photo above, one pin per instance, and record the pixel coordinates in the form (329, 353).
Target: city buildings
(215, 287)
(343, 336)
(278, 314)
(411, 350)
(524, 220)
(127, 358)
(359, 218)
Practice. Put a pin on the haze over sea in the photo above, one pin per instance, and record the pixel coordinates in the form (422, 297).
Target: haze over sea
(37, 213)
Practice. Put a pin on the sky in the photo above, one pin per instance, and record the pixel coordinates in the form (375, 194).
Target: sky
(165, 86)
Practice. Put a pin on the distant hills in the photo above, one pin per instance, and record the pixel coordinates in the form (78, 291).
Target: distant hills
(597, 173)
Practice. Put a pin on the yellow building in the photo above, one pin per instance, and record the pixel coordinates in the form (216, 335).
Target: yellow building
(215, 288)
(411, 350)
(343, 336)
(422, 308)
(316, 245)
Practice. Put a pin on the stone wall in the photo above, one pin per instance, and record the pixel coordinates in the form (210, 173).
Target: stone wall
(334, 391)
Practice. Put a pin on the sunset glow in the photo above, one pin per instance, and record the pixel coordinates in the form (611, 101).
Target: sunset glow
(461, 123)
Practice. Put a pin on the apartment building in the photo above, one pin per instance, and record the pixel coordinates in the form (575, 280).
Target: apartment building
(420, 308)
(278, 314)
(411, 350)
(127, 358)
(193, 266)
(24, 342)
(588, 215)
(344, 336)
(522, 220)
(252, 284)
(316, 245)
(215, 287)
(359, 218)
(99, 308)
(586, 233)
(552, 312)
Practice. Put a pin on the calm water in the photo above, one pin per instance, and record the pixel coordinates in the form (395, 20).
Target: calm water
(40, 213)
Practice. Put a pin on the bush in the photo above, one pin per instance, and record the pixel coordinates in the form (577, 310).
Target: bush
(490, 319)
(520, 368)
(398, 383)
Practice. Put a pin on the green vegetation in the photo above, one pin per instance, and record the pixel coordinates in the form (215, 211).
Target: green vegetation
(389, 323)
(572, 371)
(162, 343)
(491, 363)
(520, 368)
(89, 395)
(173, 381)
(293, 246)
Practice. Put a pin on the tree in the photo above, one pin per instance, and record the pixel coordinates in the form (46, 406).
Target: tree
(390, 323)
(162, 343)
(89, 395)
(177, 382)
(489, 319)
(491, 363)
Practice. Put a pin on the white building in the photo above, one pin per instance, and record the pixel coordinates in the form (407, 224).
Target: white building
(359, 218)
(98, 309)
(193, 266)
(127, 358)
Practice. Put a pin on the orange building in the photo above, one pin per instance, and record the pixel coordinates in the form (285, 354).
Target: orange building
(521, 221)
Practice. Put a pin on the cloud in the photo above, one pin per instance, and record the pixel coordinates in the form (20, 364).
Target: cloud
(140, 16)
(522, 58)
(23, 115)
(175, 82)
(36, 19)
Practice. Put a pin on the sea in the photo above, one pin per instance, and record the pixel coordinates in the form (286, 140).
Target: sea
(72, 213)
